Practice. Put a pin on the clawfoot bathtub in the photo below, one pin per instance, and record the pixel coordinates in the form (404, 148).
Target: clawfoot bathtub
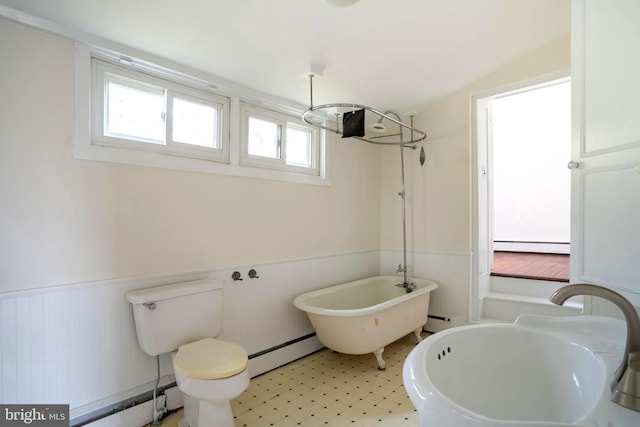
(365, 315)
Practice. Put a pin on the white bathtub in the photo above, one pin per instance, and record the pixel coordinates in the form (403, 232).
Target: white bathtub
(363, 316)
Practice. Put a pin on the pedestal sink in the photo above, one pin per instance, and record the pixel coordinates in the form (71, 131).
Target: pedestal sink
(538, 371)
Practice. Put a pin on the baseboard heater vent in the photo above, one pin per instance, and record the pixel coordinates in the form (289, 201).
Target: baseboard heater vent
(441, 318)
(279, 346)
(123, 405)
(114, 408)
(437, 322)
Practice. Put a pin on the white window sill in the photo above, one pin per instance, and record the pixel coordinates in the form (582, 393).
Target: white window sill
(158, 160)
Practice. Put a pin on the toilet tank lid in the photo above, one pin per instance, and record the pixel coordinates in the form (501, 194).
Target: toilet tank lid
(173, 290)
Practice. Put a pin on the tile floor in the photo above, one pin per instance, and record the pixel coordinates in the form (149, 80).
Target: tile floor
(328, 389)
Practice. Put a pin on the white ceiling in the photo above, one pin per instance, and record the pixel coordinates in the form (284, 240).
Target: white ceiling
(385, 54)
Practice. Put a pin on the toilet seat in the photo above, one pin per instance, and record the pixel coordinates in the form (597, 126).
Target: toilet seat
(210, 359)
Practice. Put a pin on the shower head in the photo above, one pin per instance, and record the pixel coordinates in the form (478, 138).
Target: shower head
(378, 127)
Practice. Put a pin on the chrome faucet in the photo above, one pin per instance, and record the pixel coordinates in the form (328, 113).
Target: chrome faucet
(401, 268)
(625, 387)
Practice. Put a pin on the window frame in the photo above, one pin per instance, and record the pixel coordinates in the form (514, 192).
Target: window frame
(285, 122)
(85, 148)
(104, 72)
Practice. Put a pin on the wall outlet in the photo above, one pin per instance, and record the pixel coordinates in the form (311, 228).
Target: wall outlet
(437, 322)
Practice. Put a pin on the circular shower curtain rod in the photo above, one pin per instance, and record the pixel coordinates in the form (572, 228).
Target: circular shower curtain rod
(382, 139)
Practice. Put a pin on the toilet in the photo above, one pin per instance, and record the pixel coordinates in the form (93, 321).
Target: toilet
(184, 319)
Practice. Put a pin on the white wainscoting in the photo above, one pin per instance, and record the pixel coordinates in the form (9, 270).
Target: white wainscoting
(452, 272)
(76, 344)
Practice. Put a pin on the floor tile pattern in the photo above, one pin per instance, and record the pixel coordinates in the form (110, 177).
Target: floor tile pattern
(329, 389)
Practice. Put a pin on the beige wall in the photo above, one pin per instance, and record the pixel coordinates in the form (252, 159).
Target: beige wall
(439, 194)
(64, 220)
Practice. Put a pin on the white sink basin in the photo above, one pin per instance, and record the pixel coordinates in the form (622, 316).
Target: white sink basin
(538, 371)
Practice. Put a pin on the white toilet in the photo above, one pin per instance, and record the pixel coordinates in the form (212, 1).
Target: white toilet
(183, 319)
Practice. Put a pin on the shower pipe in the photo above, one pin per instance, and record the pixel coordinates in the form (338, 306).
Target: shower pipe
(320, 122)
(402, 195)
(306, 117)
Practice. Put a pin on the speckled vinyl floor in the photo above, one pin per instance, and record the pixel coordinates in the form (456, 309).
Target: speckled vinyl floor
(328, 389)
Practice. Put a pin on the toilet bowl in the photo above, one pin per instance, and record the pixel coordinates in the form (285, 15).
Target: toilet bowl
(183, 319)
(210, 373)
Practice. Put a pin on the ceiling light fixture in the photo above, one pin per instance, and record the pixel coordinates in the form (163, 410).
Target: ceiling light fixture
(342, 3)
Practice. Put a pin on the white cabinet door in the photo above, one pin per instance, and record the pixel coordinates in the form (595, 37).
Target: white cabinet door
(605, 236)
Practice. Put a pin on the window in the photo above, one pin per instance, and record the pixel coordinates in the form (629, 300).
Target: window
(164, 115)
(140, 112)
(274, 140)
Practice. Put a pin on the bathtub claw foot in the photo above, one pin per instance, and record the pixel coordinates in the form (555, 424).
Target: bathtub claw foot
(378, 355)
(418, 333)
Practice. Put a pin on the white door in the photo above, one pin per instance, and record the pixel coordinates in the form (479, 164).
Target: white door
(605, 189)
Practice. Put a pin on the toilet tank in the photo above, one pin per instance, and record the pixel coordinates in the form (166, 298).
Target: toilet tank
(168, 316)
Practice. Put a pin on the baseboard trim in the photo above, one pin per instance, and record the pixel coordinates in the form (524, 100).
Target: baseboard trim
(278, 347)
(279, 355)
(114, 408)
(259, 362)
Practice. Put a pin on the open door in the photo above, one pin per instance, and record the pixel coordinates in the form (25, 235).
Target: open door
(484, 189)
(605, 163)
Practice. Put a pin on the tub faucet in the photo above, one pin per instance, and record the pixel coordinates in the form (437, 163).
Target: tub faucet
(625, 387)
(408, 286)
(401, 268)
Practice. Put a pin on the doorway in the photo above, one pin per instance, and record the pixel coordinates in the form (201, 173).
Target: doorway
(530, 148)
(523, 186)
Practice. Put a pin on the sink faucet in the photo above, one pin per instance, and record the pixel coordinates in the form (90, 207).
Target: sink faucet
(625, 387)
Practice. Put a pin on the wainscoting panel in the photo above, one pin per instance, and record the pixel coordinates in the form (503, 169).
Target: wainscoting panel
(70, 345)
(76, 344)
(451, 270)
